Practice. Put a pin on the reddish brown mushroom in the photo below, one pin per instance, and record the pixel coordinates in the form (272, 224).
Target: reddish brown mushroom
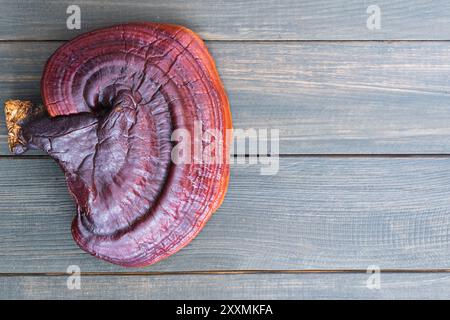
(112, 99)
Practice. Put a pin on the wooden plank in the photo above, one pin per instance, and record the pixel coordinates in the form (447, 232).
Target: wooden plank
(235, 19)
(238, 286)
(323, 97)
(316, 213)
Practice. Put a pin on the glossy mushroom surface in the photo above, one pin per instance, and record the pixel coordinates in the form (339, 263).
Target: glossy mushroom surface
(113, 100)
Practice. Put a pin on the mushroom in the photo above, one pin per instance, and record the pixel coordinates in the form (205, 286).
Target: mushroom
(113, 100)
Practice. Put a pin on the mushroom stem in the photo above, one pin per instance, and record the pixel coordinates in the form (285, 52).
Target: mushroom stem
(31, 127)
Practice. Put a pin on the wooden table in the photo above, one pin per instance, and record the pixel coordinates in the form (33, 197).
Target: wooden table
(364, 179)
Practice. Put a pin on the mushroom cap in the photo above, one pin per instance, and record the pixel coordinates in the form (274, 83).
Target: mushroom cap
(131, 88)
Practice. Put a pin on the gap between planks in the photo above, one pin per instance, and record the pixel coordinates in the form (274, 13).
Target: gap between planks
(281, 41)
(219, 272)
(299, 155)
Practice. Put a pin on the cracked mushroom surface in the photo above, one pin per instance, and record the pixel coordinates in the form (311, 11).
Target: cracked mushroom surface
(112, 99)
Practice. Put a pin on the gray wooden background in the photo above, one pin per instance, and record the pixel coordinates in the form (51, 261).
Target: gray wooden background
(364, 120)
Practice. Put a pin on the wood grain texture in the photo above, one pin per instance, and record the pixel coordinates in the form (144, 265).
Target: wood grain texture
(325, 98)
(316, 213)
(254, 286)
(235, 19)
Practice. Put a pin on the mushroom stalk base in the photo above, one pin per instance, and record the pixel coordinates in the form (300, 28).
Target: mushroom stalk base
(18, 113)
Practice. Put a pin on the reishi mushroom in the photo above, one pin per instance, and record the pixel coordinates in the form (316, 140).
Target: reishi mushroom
(112, 98)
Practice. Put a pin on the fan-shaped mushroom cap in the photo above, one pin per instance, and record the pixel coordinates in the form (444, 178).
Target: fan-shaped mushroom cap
(114, 99)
